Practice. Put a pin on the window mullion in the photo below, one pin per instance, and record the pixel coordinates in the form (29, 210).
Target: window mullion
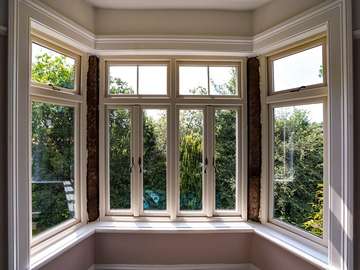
(209, 186)
(136, 154)
(172, 169)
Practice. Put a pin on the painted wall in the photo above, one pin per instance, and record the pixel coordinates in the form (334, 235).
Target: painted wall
(3, 158)
(3, 137)
(269, 256)
(77, 10)
(356, 58)
(278, 11)
(80, 257)
(183, 22)
(184, 248)
(356, 61)
(173, 22)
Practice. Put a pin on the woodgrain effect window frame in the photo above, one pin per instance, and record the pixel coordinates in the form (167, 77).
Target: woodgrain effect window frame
(312, 94)
(68, 98)
(173, 102)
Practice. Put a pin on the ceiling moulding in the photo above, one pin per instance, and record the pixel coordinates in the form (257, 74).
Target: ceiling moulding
(264, 42)
(183, 45)
(242, 46)
(52, 14)
(180, 4)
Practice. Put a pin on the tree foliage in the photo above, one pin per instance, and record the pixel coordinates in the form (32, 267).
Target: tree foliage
(52, 147)
(53, 70)
(298, 170)
(298, 200)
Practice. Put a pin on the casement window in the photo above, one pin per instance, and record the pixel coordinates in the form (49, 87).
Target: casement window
(55, 139)
(202, 79)
(137, 79)
(297, 104)
(137, 158)
(169, 153)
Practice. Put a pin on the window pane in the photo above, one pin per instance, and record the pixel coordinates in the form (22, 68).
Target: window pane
(53, 199)
(122, 80)
(223, 81)
(193, 80)
(191, 124)
(300, 69)
(52, 68)
(120, 158)
(225, 158)
(298, 166)
(152, 80)
(154, 156)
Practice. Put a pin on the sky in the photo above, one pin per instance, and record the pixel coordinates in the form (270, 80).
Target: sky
(289, 72)
(38, 50)
(300, 69)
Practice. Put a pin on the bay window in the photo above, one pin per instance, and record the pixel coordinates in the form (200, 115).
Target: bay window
(170, 153)
(55, 139)
(297, 103)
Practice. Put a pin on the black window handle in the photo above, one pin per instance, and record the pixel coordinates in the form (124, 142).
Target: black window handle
(206, 163)
(132, 164)
(140, 169)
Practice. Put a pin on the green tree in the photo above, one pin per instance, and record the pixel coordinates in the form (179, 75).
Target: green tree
(53, 70)
(298, 170)
(52, 146)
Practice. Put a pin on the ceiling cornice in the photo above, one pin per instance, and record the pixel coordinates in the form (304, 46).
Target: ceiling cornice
(179, 44)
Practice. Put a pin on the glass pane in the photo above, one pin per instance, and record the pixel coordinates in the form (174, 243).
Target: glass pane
(300, 69)
(298, 166)
(122, 80)
(191, 124)
(120, 158)
(193, 80)
(223, 81)
(154, 156)
(225, 159)
(53, 198)
(152, 80)
(52, 68)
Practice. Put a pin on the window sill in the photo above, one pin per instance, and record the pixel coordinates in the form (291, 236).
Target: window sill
(311, 254)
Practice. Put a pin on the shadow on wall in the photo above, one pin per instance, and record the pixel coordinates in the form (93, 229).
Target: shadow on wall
(3, 151)
(356, 46)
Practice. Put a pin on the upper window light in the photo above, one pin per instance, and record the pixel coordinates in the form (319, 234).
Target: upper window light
(137, 79)
(302, 69)
(208, 80)
(52, 68)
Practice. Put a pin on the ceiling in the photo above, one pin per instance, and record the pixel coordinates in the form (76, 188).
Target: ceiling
(179, 4)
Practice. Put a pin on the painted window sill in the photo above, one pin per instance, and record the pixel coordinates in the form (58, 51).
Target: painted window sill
(311, 254)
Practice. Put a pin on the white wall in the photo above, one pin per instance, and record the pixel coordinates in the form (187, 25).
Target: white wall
(173, 22)
(77, 10)
(181, 22)
(356, 59)
(3, 136)
(278, 11)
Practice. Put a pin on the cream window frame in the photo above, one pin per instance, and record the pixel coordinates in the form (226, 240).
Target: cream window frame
(172, 102)
(310, 95)
(69, 98)
(48, 43)
(137, 64)
(295, 49)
